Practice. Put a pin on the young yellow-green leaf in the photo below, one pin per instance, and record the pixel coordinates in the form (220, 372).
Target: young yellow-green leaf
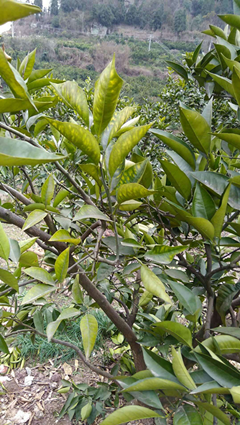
(130, 205)
(178, 145)
(12, 10)
(154, 384)
(132, 191)
(61, 265)
(129, 413)
(27, 65)
(48, 190)
(215, 411)
(106, 95)
(124, 145)
(76, 291)
(12, 77)
(235, 393)
(225, 343)
(74, 97)
(145, 299)
(86, 411)
(80, 137)
(33, 218)
(14, 105)
(89, 330)
(4, 244)
(28, 259)
(178, 178)
(17, 152)
(40, 274)
(8, 279)
(153, 284)
(180, 370)
(62, 194)
(3, 345)
(218, 218)
(64, 236)
(37, 291)
(179, 331)
(90, 211)
(26, 244)
(118, 119)
(196, 129)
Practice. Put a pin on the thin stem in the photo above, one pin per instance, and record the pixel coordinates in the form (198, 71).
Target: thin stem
(209, 316)
(28, 179)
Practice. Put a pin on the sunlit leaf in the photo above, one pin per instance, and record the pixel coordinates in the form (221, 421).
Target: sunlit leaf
(12, 10)
(64, 236)
(106, 95)
(124, 145)
(130, 191)
(4, 244)
(129, 413)
(8, 279)
(40, 274)
(153, 284)
(37, 291)
(89, 330)
(33, 218)
(196, 129)
(61, 265)
(80, 137)
(19, 152)
(74, 97)
(180, 370)
(27, 64)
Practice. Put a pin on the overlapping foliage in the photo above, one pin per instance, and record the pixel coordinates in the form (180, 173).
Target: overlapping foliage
(158, 253)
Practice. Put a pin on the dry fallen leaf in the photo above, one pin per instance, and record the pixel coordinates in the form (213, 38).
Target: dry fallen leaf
(39, 395)
(67, 369)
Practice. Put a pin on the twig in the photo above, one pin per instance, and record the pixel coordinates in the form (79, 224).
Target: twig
(72, 346)
(209, 316)
(20, 286)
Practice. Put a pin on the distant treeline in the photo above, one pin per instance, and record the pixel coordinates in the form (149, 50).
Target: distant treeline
(178, 15)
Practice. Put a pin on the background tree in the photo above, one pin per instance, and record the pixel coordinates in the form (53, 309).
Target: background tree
(180, 21)
(54, 7)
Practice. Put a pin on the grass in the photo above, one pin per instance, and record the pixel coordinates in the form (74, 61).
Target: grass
(42, 350)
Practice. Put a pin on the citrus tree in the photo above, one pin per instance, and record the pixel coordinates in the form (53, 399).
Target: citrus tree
(158, 253)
